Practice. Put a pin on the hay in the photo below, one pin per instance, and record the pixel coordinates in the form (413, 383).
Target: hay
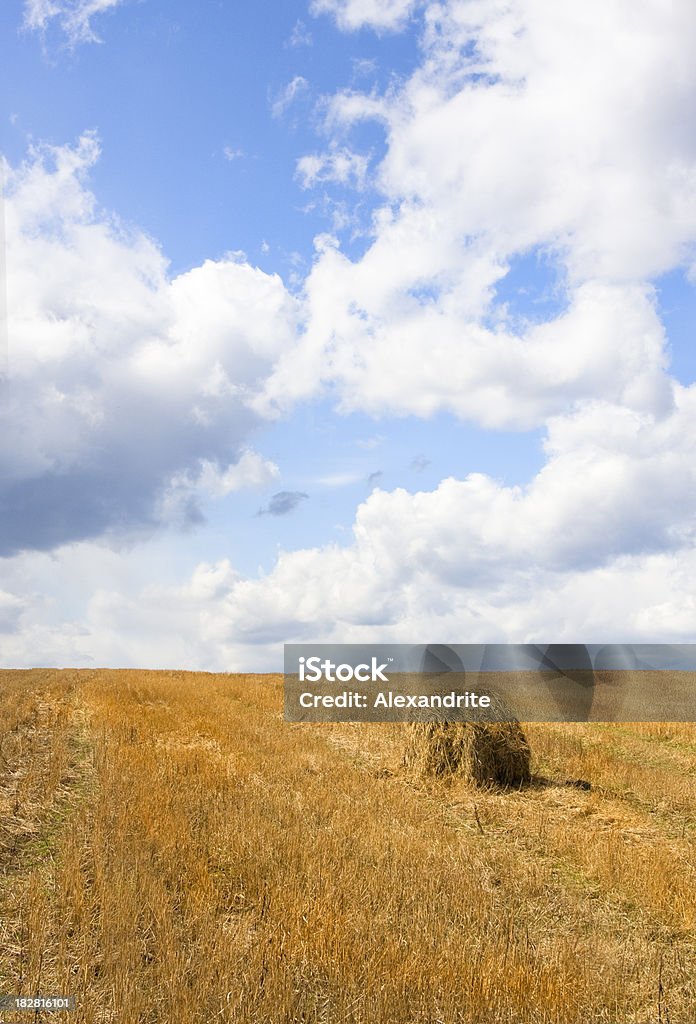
(485, 753)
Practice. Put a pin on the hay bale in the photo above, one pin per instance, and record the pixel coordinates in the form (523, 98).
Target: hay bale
(485, 753)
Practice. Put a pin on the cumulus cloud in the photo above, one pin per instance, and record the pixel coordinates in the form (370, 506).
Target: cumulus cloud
(599, 546)
(527, 127)
(180, 502)
(418, 356)
(125, 386)
(339, 166)
(376, 14)
(73, 17)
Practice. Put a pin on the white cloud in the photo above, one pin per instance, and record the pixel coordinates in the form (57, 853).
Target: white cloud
(74, 17)
(339, 166)
(409, 355)
(377, 14)
(528, 127)
(11, 608)
(179, 503)
(232, 154)
(123, 381)
(296, 87)
(252, 470)
(599, 539)
(600, 546)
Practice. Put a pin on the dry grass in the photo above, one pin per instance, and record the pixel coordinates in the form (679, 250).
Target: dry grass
(172, 851)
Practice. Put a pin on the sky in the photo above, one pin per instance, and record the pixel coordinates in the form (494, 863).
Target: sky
(344, 321)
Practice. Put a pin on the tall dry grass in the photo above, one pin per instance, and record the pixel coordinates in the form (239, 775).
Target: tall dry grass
(202, 860)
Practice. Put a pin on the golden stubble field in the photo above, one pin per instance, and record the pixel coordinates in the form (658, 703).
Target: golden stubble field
(172, 851)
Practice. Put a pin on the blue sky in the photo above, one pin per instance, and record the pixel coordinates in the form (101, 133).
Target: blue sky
(211, 73)
(345, 320)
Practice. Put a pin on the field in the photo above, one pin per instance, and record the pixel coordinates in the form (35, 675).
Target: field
(172, 851)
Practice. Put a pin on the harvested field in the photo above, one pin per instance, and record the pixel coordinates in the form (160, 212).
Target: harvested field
(172, 851)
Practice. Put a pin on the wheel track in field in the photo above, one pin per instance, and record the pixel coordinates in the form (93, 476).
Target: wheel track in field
(44, 765)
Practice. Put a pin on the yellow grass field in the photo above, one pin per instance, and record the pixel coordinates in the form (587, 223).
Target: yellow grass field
(172, 851)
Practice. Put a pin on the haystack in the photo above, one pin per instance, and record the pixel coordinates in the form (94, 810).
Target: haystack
(485, 753)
